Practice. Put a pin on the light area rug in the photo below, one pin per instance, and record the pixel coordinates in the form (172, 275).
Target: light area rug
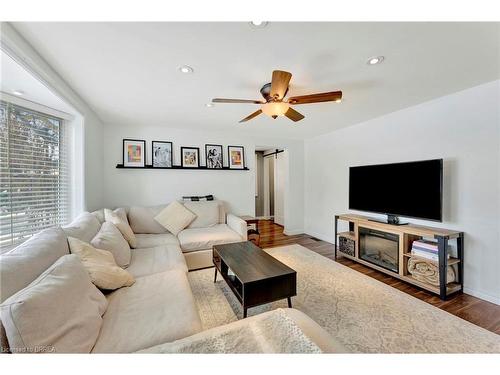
(365, 315)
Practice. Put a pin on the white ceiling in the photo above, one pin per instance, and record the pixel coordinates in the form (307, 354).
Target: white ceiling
(13, 77)
(128, 72)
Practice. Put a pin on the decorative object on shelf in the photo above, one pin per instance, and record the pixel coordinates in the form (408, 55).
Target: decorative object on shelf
(236, 157)
(426, 249)
(214, 156)
(161, 154)
(134, 153)
(197, 198)
(346, 245)
(427, 271)
(190, 157)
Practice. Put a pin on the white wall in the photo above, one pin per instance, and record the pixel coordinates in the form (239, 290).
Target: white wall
(126, 187)
(463, 129)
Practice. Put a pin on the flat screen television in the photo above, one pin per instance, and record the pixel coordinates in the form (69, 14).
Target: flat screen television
(410, 189)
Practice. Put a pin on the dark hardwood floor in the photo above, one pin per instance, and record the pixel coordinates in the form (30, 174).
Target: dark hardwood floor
(482, 313)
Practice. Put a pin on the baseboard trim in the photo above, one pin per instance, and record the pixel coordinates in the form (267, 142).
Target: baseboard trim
(482, 295)
(321, 236)
(292, 232)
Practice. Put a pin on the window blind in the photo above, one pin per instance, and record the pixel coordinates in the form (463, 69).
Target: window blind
(34, 173)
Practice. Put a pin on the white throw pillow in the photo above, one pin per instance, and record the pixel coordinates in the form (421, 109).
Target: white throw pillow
(117, 218)
(61, 311)
(110, 238)
(207, 213)
(175, 217)
(100, 265)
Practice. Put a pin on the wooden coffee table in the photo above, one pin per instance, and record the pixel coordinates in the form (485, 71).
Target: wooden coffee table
(257, 278)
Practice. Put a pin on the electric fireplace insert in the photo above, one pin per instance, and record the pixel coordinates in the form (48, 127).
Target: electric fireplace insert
(379, 248)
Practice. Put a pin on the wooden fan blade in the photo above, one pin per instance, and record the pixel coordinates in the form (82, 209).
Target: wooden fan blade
(219, 100)
(316, 98)
(279, 84)
(249, 117)
(293, 115)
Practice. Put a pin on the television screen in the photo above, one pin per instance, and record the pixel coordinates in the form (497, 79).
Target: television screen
(411, 189)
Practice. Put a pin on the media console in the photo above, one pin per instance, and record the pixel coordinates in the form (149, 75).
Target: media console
(387, 248)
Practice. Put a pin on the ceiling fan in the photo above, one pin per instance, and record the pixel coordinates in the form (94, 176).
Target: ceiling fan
(275, 104)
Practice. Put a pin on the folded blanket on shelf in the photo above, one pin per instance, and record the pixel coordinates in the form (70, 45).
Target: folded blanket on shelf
(428, 272)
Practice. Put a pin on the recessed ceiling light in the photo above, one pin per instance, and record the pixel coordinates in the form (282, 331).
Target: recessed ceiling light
(375, 60)
(186, 69)
(209, 105)
(258, 24)
(18, 92)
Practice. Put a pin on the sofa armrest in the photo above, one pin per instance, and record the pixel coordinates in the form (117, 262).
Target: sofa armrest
(238, 225)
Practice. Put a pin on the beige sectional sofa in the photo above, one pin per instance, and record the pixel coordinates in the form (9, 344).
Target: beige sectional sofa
(211, 227)
(159, 307)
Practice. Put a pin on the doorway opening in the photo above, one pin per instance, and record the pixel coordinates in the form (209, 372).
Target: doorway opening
(271, 170)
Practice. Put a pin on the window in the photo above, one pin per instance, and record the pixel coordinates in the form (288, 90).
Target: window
(34, 176)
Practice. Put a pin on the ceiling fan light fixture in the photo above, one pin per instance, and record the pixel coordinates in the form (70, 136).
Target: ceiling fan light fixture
(275, 108)
(338, 101)
(18, 92)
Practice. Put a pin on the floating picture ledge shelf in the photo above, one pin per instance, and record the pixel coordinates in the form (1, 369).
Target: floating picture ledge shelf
(149, 166)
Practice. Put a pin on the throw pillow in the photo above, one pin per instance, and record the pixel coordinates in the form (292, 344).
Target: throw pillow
(59, 312)
(100, 265)
(110, 238)
(117, 218)
(175, 217)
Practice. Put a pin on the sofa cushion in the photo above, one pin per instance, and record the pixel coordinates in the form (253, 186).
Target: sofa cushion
(207, 213)
(204, 238)
(142, 219)
(111, 239)
(59, 312)
(23, 264)
(84, 227)
(156, 259)
(175, 217)
(156, 309)
(152, 240)
(119, 219)
(99, 214)
(101, 266)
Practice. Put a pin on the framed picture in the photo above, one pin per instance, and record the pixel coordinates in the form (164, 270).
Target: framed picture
(214, 156)
(190, 157)
(134, 153)
(236, 157)
(161, 154)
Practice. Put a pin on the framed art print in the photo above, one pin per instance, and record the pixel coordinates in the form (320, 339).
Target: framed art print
(161, 154)
(236, 157)
(134, 153)
(190, 157)
(213, 154)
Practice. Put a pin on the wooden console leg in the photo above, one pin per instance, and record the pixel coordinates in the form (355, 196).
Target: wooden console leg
(244, 312)
(215, 276)
(289, 302)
